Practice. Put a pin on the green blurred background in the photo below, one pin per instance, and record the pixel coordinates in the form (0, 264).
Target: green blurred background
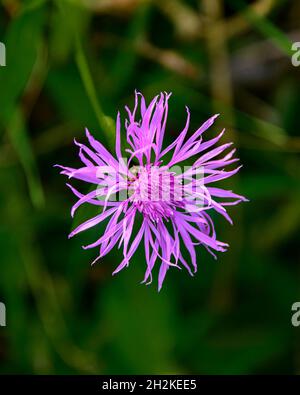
(68, 64)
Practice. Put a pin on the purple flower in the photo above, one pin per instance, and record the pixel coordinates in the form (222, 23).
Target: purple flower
(171, 203)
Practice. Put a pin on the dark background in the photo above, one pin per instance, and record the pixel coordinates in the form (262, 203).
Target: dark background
(70, 62)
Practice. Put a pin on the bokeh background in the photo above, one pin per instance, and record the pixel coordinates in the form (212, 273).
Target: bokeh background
(73, 64)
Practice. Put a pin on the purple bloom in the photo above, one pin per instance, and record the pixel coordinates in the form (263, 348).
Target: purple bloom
(171, 203)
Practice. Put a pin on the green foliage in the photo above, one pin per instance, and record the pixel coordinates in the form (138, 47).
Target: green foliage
(74, 64)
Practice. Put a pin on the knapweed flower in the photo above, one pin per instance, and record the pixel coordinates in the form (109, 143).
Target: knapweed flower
(149, 198)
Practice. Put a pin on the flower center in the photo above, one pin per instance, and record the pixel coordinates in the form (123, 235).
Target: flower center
(155, 192)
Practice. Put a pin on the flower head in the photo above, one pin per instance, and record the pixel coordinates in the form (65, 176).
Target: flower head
(171, 203)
